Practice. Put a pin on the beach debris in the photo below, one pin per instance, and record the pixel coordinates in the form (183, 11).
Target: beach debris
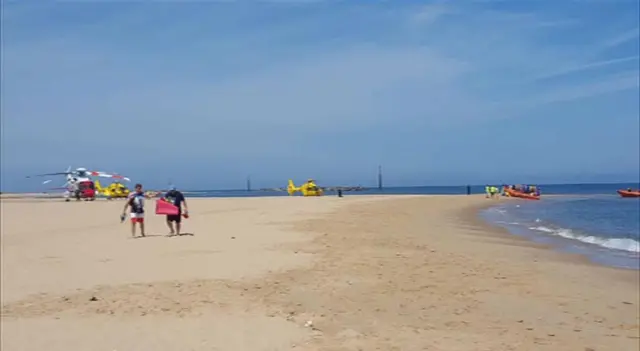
(233, 237)
(309, 324)
(93, 298)
(627, 303)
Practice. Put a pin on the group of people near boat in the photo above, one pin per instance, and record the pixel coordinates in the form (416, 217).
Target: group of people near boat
(492, 191)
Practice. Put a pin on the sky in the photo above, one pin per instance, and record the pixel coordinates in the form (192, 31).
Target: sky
(205, 93)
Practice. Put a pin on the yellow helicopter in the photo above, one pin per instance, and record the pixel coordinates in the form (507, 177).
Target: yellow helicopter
(307, 189)
(114, 190)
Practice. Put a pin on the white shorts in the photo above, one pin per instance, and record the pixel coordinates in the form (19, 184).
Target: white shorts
(137, 215)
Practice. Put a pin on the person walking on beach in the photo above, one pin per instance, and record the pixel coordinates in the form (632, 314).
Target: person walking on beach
(135, 201)
(177, 199)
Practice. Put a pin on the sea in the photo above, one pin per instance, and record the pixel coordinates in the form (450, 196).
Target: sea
(588, 219)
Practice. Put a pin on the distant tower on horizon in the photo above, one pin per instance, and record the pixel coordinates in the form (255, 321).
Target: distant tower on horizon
(380, 177)
(248, 183)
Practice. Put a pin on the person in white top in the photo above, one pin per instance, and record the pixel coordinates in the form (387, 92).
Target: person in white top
(135, 201)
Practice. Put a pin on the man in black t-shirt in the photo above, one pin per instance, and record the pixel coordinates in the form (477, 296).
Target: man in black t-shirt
(177, 199)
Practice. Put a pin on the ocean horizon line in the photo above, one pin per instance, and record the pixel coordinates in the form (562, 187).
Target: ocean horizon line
(556, 188)
(375, 187)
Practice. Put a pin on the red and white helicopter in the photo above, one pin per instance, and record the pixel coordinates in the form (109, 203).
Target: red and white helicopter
(79, 183)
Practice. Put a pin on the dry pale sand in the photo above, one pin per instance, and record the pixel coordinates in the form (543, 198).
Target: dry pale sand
(372, 273)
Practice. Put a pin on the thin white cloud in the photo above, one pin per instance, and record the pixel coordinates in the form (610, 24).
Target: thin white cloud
(586, 56)
(429, 14)
(613, 83)
(621, 38)
(558, 23)
(587, 66)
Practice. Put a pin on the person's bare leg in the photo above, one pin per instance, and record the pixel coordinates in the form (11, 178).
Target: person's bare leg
(142, 228)
(133, 229)
(178, 228)
(170, 225)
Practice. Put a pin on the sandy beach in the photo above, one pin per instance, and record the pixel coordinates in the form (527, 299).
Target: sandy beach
(353, 273)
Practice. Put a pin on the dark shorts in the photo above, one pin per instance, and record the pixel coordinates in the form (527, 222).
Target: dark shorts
(174, 218)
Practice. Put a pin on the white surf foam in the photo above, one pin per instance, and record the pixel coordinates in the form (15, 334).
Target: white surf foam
(623, 244)
(503, 222)
(497, 210)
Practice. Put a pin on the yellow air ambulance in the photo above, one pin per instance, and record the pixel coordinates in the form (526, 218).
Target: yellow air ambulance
(307, 189)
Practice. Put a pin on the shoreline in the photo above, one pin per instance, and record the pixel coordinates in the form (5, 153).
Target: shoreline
(591, 252)
(366, 272)
(474, 218)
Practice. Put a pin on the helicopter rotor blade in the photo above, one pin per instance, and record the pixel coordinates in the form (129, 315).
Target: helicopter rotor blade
(108, 175)
(48, 174)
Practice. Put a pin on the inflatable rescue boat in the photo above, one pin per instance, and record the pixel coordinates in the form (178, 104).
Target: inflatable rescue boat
(628, 193)
(519, 194)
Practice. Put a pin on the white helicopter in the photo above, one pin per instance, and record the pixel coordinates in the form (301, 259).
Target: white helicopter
(79, 182)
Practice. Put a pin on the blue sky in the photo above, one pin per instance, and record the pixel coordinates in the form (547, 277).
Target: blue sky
(206, 93)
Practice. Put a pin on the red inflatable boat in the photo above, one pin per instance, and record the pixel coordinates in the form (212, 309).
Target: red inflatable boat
(627, 193)
(519, 194)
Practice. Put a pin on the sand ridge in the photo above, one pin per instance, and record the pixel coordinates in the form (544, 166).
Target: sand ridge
(403, 276)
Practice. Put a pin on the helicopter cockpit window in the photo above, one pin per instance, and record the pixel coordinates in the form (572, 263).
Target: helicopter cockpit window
(86, 185)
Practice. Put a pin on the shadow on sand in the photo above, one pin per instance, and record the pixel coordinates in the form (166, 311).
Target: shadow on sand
(181, 234)
(146, 236)
(161, 236)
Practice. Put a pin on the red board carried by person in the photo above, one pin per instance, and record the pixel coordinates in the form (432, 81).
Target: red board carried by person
(166, 208)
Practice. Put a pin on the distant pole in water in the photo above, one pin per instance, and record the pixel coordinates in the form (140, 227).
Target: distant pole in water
(248, 183)
(380, 177)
